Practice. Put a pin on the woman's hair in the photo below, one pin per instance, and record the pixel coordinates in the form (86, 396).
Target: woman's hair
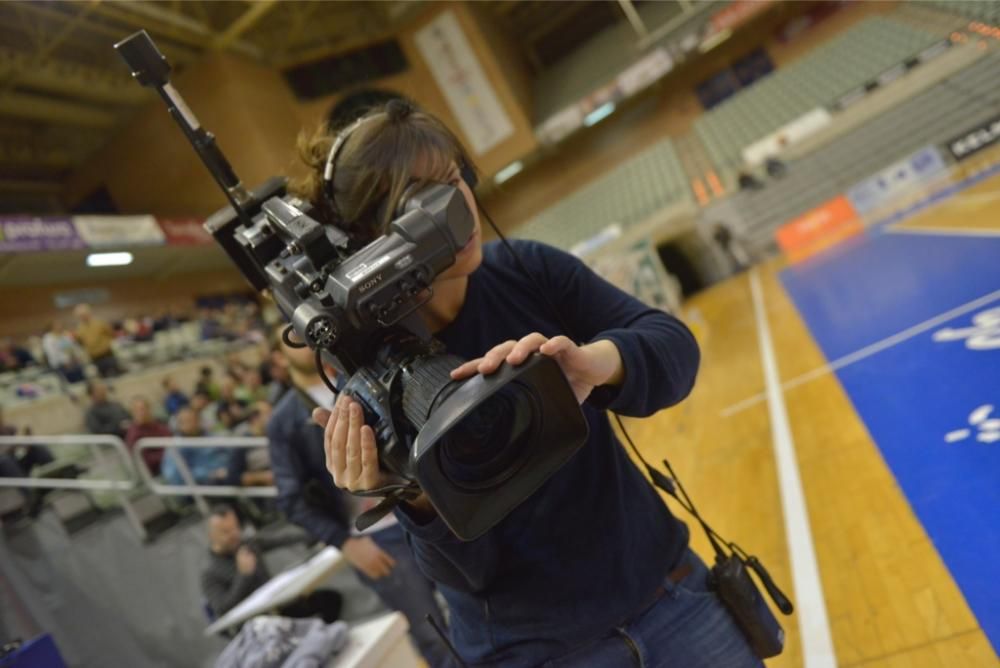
(375, 166)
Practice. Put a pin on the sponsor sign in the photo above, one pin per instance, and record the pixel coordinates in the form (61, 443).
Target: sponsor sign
(104, 231)
(895, 179)
(24, 234)
(790, 133)
(184, 231)
(560, 125)
(644, 72)
(820, 228)
(975, 140)
(736, 14)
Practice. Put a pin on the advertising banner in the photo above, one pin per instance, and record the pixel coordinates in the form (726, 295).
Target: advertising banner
(24, 234)
(104, 231)
(880, 188)
(788, 134)
(820, 228)
(184, 231)
(975, 140)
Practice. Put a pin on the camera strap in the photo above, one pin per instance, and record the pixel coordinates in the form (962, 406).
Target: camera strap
(729, 575)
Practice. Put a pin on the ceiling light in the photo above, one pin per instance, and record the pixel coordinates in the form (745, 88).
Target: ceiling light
(108, 259)
(599, 114)
(507, 172)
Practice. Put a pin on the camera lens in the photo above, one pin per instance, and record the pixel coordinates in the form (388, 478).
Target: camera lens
(490, 444)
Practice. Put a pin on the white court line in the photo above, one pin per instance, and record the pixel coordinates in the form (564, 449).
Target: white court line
(944, 231)
(867, 351)
(817, 645)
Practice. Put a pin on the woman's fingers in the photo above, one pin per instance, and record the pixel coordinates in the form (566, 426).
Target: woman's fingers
(494, 358)
(556, 345)
(352, 468)
(338, 441)
(525, 347)
(369, 459)
(470, 368)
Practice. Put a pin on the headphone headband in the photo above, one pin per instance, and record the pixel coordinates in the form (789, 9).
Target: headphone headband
(331, 158)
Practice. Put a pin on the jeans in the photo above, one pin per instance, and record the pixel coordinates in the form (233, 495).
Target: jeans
(407, 590)
(686, 626)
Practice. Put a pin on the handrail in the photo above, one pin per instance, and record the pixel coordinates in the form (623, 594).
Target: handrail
(171, 443)
(117, 485)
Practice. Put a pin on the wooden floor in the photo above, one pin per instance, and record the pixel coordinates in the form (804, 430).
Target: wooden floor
(889, 599)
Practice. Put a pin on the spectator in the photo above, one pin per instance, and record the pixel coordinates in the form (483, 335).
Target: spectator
(281, 381)
(14, 357)
(775, 168)
(95, 335)
(105, 416)
(748, 181)
(258, 468)
(144, 425)
(17, 461)
(732, 247)
(206, 410)
(206, 383)
(252, 389)
(208, 466)
(174, 399)
(308, 497)
(62, 353)
(235, 569)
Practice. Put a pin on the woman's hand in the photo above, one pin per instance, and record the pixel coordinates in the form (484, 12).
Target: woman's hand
(349, 444)
(585, 367)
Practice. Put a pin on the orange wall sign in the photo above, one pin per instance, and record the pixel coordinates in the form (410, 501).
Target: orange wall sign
(825, 225)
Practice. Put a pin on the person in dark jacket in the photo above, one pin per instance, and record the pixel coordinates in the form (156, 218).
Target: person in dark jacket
(592, 569)
(104, 415)
(308, 497)
(235, 569)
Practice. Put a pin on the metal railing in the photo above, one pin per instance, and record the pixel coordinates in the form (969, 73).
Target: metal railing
(99, 446)
(191, 487)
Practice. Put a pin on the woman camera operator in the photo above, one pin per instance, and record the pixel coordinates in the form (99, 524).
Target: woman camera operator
(592, 569)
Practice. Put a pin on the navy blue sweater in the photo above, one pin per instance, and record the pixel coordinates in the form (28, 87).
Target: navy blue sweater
(590, 547)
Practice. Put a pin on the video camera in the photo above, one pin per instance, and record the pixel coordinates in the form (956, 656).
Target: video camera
(476, 448)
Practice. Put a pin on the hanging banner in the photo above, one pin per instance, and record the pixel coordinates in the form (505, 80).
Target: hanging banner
(736, 13)
(184, 232)
(103, 231)
(26, 234)
(795, 131)
(644, 72)
(468, 91)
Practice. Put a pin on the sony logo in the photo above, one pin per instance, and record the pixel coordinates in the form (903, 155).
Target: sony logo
(370, 283)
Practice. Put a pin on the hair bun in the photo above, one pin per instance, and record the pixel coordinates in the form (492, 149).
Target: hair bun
(398, 109)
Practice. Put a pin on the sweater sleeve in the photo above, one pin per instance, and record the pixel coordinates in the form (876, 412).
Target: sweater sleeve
(291, 478)
(659, 353)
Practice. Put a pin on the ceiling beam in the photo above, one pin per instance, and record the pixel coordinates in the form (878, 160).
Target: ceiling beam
(31, 186)
(181, 27)
(38, 108)
(71, 79)
(176, 53)
(246, 21)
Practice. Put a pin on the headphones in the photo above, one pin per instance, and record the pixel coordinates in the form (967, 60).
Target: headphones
(396, 109)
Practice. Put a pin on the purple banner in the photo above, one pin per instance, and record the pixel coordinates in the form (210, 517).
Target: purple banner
(20, 234)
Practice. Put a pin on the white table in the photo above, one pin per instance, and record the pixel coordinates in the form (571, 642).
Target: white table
(379, 643)
(281, 589)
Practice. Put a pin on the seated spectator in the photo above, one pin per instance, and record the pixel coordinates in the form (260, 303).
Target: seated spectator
(281, 379)
(258, 463)
(206, 383)
(14, 357)
(252, 389)
(775, 168)
(17, 461)
(208, 466)
(173, 399)
(235, 569)
(62, 353)
(96, 335)
(748, 181)
(145, 425)
(105, 416)
(206, 410)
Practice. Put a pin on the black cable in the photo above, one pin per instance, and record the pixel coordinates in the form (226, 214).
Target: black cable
(287, 340)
